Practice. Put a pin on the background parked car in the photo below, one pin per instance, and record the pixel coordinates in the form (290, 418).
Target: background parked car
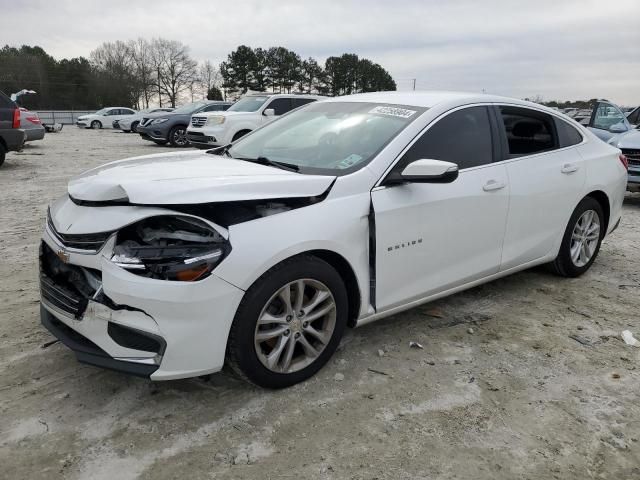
(11, 135)
(633, 116)
(130, 123)
(172, 127)
(607, 121)
(104, 118)
(31, 124)
(250, 112)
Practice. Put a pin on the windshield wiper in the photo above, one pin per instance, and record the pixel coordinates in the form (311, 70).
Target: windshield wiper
(271, 163)
(223, 150)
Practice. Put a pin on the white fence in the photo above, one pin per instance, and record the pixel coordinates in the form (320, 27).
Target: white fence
(67, 117)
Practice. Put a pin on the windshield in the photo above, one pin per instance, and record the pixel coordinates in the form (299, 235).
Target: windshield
(190, 107)
(248, 104)
(328, 137)
(102, 111)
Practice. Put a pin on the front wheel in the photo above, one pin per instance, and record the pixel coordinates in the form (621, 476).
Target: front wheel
(289, 323)
(582, 239)
(96, 124)
(178, 136)
(3, 155)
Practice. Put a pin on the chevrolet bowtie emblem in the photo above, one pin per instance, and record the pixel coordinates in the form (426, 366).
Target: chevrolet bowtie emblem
(63, 256)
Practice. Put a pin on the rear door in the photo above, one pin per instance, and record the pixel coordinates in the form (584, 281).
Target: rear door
(546, 176)
(431, 237)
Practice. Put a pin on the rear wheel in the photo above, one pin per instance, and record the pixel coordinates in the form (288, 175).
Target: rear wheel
(178, 136)
(96, 124)
(582, 239)
(289, 323)
(134, 127)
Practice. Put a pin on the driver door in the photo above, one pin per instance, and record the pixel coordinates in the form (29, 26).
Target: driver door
(607, 121)
(430, 237)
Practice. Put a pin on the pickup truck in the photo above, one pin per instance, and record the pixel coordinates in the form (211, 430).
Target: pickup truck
(12, 138)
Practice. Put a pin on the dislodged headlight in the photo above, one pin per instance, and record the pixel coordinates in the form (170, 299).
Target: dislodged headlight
(159, 120)
(170, 248)
(215, 120)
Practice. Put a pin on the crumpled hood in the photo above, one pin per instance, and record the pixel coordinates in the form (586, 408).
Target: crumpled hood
(629, 140)
(190, 178)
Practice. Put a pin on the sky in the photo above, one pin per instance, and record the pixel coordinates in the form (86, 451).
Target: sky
(554, 49)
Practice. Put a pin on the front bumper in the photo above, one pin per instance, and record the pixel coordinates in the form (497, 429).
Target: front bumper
(154, 132)
(189, 321)
(633, 179)
(83, 123)
(199, 139)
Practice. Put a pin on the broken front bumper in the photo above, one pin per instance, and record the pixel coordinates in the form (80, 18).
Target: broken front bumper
(155, 328)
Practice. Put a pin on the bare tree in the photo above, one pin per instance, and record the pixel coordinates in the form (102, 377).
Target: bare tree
(175, 69)
(209, 77)
(114, 61)
(142, 54)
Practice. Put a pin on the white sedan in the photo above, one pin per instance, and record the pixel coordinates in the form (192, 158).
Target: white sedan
(130, 123)
(104, 118)
(259, 254)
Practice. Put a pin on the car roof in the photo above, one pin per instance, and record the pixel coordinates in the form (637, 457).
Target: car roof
(432, 98)
(292, 95)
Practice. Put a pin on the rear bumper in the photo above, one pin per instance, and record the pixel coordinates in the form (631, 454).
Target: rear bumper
(34, 134)
(14, 138)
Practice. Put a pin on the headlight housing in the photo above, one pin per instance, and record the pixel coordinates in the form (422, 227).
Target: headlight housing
(170, 247)
(215, 120)
(159, 120)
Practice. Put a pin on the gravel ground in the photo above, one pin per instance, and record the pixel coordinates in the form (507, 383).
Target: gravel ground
(526, 377)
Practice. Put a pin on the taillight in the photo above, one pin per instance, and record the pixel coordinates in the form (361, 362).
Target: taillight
(16, 119)
(625, 162)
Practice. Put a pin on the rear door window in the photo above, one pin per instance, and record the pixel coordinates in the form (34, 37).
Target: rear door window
(298, 102)
(527, 131)
(462, 137)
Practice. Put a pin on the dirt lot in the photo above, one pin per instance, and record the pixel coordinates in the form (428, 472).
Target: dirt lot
(526, 377)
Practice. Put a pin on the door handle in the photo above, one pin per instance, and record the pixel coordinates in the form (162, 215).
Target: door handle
(492, 185)
(569, 168)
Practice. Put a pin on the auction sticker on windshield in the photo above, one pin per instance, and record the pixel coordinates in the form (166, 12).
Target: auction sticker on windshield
(393, 111)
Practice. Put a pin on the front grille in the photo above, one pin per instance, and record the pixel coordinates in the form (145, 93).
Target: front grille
(633, 155)
(144, 121)
(84, 241)
(66, 287)
(198, 121)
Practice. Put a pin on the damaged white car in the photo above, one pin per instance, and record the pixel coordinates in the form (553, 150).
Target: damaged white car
(261, 253)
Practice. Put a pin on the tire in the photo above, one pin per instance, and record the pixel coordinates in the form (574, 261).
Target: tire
(568, 265)
(326, 297)
(240, 134)
(96, 124)
(134, 127)
(178, 136)
(3, 154)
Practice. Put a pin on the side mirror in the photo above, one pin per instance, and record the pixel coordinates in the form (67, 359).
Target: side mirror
(269, 112)
(425, 171)
(618, 128)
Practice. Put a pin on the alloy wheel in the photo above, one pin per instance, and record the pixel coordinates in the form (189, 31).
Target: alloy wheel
(295, 326)
(585, 237)
(180, 137)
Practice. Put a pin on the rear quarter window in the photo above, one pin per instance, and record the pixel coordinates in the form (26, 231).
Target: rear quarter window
(567, 134)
